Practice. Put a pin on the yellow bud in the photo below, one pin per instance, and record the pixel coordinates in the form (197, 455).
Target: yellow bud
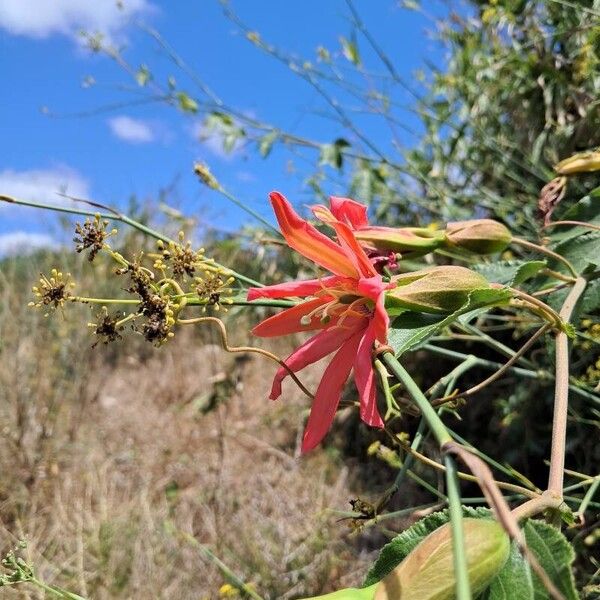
(427, 573)
(439, 290)
(583, 162)
(483, 236)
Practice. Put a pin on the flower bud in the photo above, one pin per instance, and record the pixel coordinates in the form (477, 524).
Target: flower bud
(583, 162)
(400, 239)
(483, 236)
(439, 290)
(427, 573)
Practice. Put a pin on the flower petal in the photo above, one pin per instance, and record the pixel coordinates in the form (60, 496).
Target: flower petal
(288, 321)
(373, 288)
(329, 393)
(311, 351)
(353, 250)
(364, 376)
(349, 211)
(291, 289)
(308, 241)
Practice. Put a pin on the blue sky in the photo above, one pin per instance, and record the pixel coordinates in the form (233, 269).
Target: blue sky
(141, 149)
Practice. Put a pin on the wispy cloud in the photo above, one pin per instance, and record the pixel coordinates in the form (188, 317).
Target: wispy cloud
(212, 141)
(42, 185)
(43, 18)
(134, 131)
(23, 242)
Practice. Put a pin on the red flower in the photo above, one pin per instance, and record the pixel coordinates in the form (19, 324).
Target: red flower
(346, 308)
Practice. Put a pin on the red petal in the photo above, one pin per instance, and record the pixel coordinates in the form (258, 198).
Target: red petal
(349, 211)
(288, 321)
(311, 351)
(329, 393)
(353, 250)
(364, 376)
(308, 241)
(291, 289)
(373, 288)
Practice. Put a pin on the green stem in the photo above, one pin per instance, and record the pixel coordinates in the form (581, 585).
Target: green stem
(588, 497)
(443, 436)
(429, 413)
(494, 366)
(463, 589)
(116, 216)
(249, 210)
(227, 572)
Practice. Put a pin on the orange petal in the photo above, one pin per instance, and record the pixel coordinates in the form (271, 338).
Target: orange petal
(314, 349)
(289, 320)
(308, 241)
(292, 289)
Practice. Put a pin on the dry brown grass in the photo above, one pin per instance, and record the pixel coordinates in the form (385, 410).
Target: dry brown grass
(108, 455)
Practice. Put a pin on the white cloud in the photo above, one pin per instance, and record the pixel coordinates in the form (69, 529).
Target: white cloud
(42, 185)
(213, 142)
(20, 242)
(135, 131)
(43, 18)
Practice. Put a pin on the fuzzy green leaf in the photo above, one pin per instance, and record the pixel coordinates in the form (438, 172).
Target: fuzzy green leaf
(582, 251)
(514, 581)
(555, 554)
(411, 329)
(510, 272)
(402, 545)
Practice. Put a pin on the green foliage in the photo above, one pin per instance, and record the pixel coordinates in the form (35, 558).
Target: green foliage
(515, 581)
(513, 272)
(393, 553)
(410, 329)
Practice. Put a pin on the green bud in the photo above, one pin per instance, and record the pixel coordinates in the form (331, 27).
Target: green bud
(583, 162)
(439, 290)
(414, 240)
(427, 573)
(483, 236)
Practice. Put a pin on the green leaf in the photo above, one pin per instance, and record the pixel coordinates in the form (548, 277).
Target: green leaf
(514, 581)
(411, 329)
(350, 50)
(591, 297)
(581, 251)
(186, 103)
(143, 75)
(265, 144)
(587, 210)
(332, 154)
(510, 272)
(400, 547)
(555, 555)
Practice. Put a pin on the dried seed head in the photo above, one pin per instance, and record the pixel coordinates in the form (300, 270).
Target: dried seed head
(92, 234)
(205, 176)
(214, 288)
(427, 573)
(181, 257)
(53, 291)
(107, 327)
(439, 290)
(483, 236)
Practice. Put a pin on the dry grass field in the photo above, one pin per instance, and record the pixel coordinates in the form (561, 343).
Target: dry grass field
(116, 461)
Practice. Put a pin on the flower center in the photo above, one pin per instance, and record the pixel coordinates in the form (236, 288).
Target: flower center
(342, 304)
